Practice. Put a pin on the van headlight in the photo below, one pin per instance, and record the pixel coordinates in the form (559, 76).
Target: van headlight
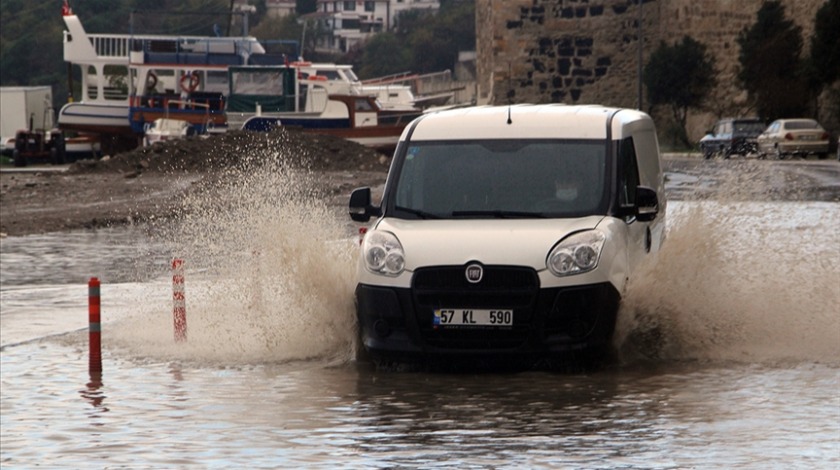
(383, 253)
(576, 254)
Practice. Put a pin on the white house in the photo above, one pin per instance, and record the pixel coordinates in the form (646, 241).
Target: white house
(350, 22)
(280, 8)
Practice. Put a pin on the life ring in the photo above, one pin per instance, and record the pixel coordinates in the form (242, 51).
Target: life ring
(151, 81)
(189, 82)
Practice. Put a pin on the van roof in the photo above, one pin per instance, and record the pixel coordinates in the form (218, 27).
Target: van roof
(534, 121)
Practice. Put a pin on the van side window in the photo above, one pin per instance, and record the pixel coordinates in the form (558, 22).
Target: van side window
(628, 173)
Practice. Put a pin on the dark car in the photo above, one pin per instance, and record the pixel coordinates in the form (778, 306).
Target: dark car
(732, 136)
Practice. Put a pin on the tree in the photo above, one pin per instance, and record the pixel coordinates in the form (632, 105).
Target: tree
(824, 61)
(680, 77)
(383, 45)
(428, 42)
(825, 43)
(771, 68)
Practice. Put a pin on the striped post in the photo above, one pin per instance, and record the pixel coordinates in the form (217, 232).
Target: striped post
(95, 327)
(179, 301)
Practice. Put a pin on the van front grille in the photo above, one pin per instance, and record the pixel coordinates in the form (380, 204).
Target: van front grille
(501, 287)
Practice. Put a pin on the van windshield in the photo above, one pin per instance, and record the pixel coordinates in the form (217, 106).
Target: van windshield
(501, 178)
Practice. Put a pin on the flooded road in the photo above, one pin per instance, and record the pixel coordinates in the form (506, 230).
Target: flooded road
(729, 350)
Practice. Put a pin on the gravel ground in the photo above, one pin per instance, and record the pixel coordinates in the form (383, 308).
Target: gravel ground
(151, 182)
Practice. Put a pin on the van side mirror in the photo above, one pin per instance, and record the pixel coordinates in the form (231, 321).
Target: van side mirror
(647, 204)
(360, 208)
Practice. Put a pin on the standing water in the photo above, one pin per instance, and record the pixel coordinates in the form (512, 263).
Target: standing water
(729, 349)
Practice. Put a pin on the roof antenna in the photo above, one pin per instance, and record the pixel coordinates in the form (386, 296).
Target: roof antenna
(510, 91)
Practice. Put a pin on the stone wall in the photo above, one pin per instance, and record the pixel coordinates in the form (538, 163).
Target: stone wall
(587, 51)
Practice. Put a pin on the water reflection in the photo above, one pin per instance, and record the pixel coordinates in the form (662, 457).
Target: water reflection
(117, 254)
(310, 414)
(94, 393)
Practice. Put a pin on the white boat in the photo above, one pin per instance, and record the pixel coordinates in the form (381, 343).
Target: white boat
(262, 98)
(115, 73)
(130, 81)
(340, 79)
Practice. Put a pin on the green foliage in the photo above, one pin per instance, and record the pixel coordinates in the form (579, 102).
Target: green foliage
(680, 77)
(31, 33)
(771, 68)
(383, 45)
(286, 28)
(425, 42)
(422, 42)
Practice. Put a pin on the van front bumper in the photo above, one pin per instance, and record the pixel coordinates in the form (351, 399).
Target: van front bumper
(398, 323)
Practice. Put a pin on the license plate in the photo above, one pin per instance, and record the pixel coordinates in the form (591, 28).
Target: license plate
(472, 317)
(807, 137)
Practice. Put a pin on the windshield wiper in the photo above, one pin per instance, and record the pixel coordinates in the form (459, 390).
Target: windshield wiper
(499, 214)
(417, 212)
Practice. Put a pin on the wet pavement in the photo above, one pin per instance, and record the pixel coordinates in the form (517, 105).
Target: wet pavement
(729, 349)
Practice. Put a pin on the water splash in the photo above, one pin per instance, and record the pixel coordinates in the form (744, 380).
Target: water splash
(739, 279)
(269, 278)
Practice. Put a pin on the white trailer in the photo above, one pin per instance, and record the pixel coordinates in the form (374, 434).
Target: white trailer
(23, 106)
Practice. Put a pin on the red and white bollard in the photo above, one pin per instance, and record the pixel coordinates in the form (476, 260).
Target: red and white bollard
(179, 311)
(95, 326)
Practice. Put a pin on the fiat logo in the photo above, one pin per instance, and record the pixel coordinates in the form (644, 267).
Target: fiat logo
(474, 273)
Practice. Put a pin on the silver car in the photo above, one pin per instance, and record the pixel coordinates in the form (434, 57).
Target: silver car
(793, 137)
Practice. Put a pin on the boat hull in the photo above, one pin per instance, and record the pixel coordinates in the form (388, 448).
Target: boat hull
(383, 138)
(201, 121)
(98, 118)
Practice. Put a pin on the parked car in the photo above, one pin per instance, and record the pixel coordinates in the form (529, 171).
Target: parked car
(793, 137)
(732, 136)
(508, 232)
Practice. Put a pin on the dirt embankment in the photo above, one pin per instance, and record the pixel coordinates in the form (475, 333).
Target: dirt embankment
(151, 182)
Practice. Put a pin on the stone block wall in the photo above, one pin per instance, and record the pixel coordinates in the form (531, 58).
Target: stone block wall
(587, 51)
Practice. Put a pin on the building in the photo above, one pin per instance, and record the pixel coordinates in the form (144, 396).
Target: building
(589, 51)
(351, 22)
(280, 8)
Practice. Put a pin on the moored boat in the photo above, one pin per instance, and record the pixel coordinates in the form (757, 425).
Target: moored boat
(262, 98)
(119, 71)
(130, 81)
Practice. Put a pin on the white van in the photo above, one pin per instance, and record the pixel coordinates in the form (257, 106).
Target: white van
(508, 231)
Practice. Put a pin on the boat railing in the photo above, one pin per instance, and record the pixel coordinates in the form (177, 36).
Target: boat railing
(186, 48)
(420, 83)
(116, 46)
(396, 78)
(214, 102)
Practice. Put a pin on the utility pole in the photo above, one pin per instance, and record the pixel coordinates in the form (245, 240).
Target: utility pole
(640, 47)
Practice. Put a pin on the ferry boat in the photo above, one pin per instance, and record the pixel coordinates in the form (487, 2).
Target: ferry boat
(130, 81)
(119, 71)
